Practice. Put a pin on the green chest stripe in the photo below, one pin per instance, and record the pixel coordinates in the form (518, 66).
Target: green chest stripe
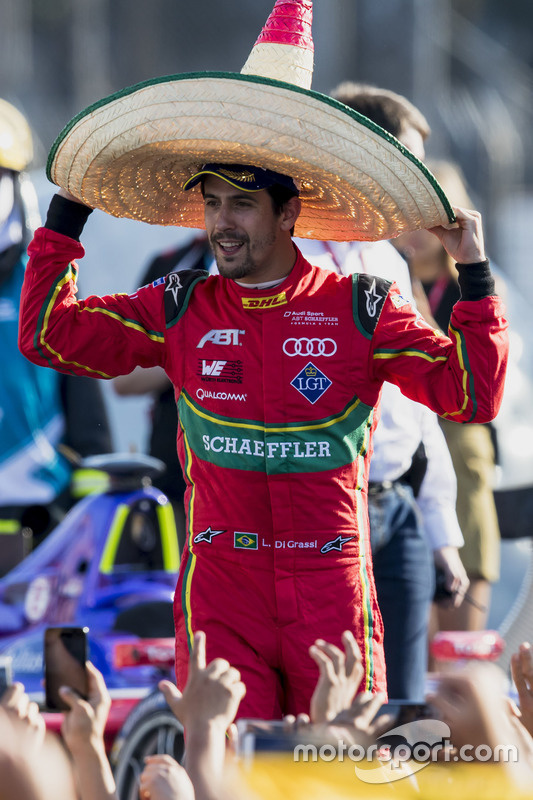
(301, 447)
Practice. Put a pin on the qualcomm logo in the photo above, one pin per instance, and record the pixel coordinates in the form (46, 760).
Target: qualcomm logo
(203, 394)
(309, 347)
(227, 336)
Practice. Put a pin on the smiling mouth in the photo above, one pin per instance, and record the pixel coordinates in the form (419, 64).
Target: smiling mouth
(229, 246)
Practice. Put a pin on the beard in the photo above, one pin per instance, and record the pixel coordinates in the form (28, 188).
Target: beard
(245, 262)
(239, 266)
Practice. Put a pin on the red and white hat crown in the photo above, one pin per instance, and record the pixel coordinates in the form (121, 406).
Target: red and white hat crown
(132, 153)
(284, 49)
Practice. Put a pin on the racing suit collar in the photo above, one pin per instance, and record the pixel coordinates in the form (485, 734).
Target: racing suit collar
(293, 284)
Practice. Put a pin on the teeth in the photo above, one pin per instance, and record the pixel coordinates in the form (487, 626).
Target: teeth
(231, 243)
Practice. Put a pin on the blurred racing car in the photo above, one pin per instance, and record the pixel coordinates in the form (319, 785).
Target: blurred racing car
(110, 565)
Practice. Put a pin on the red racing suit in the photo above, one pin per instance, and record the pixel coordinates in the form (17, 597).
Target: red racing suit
(277, 393)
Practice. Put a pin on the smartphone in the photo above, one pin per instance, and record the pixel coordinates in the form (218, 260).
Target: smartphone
(406, 711)
(6, 673)
(65, 657)
(257, 734)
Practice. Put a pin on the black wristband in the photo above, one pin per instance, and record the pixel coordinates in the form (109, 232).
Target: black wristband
(67, 217)
(475, 280)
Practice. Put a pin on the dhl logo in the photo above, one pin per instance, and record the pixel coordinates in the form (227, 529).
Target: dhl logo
(265, 302)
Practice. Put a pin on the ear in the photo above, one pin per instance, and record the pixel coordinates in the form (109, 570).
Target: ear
(290, 213)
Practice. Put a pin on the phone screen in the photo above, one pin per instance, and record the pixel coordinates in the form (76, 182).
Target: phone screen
(65, 655)
(406, 711)
(257, 734)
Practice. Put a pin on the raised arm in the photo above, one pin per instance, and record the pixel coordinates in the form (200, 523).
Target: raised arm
(460, 376)
(101, 336)
(83, 733)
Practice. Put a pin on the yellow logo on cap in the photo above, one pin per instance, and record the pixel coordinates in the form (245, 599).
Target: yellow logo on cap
(265, 302)
(245, 177)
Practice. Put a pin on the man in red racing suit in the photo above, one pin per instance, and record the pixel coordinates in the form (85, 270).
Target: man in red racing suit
(277, 391)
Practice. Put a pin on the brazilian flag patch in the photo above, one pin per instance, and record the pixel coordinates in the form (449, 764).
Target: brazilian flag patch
(245, 541)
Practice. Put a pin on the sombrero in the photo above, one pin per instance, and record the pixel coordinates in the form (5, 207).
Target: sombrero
(131, 153)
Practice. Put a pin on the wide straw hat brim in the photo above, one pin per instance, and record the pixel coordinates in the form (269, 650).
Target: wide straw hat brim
(130, 154)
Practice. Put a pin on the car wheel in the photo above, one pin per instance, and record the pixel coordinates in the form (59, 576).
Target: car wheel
(150, 728)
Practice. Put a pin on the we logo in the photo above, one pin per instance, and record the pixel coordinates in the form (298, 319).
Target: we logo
(213, 368)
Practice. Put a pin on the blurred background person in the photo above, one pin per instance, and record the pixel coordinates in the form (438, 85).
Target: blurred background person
(472, 447)
(40, 411)
(412, 485)
(195, 254)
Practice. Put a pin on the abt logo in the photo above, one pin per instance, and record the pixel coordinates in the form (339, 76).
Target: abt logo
(226, 336)
(213, 367)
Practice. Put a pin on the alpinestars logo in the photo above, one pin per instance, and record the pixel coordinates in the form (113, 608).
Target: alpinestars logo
(336, 544)
(174, 285)
(207, 535)
(372, 300)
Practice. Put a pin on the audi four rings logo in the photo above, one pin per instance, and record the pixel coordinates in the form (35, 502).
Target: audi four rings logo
(309, 347)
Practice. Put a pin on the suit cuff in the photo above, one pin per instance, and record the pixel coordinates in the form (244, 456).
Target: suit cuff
(67, 217)
(475, 280)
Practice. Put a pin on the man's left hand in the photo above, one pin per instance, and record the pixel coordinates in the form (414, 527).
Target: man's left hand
(463, 239)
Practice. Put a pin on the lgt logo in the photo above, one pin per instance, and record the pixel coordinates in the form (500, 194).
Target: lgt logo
(226, 336)
(311, 382)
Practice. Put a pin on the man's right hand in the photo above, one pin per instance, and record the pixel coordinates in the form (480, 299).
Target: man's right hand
(68, 196)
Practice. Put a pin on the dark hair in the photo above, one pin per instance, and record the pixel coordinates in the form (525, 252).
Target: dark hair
(279, 196)
(391, 111)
